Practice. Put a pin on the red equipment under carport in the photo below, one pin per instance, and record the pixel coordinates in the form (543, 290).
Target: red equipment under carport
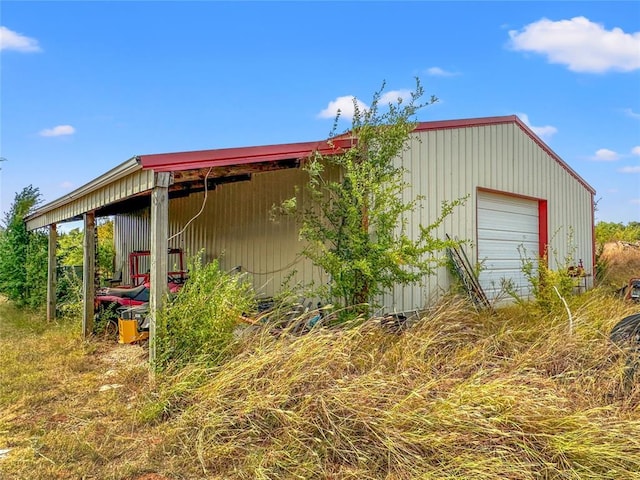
(138, 278)
(109, 302)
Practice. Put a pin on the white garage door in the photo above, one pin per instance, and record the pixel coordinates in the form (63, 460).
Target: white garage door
(507, 230)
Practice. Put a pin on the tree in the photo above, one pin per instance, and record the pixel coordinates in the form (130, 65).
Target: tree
(71, 249)
(355, 226)
(23, 254)
(611, 232)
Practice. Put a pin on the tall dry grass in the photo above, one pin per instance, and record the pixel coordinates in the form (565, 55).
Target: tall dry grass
(459, 395)
(622, 262)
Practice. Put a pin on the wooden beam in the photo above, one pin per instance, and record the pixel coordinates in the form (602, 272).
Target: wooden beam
(159, 260)
(232, 170)
(88, 273)
(52, 279)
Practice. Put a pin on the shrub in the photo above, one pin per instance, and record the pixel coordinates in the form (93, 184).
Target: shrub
(355, 227)
(548, 284)
(69, 293)
(197, 324)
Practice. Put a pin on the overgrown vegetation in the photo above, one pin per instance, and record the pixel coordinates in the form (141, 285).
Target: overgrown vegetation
(607, 233)
(552, 279)
(461, 394)
(196, 326)
(355, 227)
(69, 294)
(620, 262)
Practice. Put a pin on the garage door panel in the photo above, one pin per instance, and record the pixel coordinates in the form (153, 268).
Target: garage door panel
(508, 228)
(520, 223)
(505, 249)
(491, 263)
(514, 275)
(517, 205)
(508, 235)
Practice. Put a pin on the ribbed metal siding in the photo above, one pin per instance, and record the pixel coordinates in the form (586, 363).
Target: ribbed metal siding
(131, 233)
(236, 226)
(446, 164)
(449, 164)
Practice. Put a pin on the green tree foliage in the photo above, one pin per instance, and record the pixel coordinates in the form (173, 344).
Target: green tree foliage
(355, 226)
(71, 250)
(612, 232)
(23, 254)
(106, 248)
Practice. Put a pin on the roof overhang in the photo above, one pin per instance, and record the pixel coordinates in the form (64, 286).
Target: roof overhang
(129, 177)
(224, 157)
(122, 186)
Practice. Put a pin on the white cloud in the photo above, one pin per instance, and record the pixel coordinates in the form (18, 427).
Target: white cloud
(635, 169)
(612, 190)
(440, 72)
(635, 201)
(605, 155)
(630, 113)
(66, 185)
(10, 40)
(582, 45)
(345, 105)
(57, 131)
(545, 132)
(635, 150)
(393, 95)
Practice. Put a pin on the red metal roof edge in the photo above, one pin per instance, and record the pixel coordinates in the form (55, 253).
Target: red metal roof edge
(464, 122)
(165, 162)
(484, 121)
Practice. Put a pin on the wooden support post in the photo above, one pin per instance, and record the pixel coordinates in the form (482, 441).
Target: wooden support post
(88, 273)
(52, 279)
(158, 252)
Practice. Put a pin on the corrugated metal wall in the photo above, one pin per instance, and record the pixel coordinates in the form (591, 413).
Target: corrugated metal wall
(451, 163)
(443, 165)
(236, 226)
(131, 232)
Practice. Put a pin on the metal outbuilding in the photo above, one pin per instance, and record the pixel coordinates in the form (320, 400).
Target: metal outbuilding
(521, 197)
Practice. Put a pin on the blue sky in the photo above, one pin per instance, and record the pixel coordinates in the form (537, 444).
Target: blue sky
(87, 85)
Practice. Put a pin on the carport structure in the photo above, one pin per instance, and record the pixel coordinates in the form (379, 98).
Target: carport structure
(151, 181)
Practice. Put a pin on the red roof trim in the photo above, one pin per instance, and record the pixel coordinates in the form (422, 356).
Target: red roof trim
(480, 122)
(167, 162)
(465, 122)
(224, 157)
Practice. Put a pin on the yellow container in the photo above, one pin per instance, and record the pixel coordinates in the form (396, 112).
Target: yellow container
(127, 331)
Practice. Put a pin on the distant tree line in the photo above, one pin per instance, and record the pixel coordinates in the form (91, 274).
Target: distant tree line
(617, 232)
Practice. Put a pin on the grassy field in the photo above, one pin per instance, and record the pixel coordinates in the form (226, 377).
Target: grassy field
(460, 395)
(623, 262)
